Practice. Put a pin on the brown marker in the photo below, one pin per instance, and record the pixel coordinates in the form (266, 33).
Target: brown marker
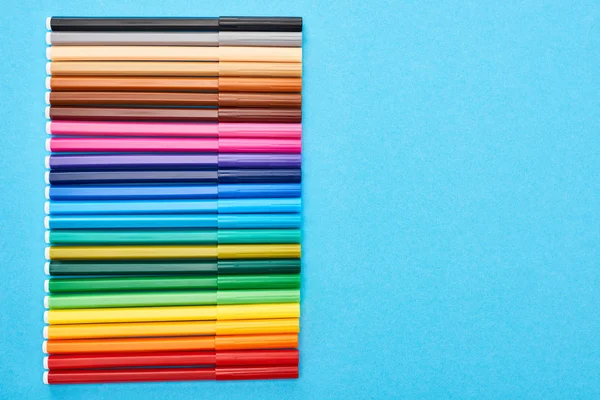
(132, 84)
(191, 69)
(135, 84)
(233, 99)
(282, 115)
(263, 85)
(131, 98)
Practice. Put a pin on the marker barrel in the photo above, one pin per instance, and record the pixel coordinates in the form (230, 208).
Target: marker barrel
(171, 298)
(170, 374)
(181, 252)
(174, 68)
(135, 68)
(164, 314)
(165, 99)
(76, 24)
(124, 38)
(141, 192)
(175, 84)
(252, 39)
(175, 53)
(225, 114)
(246, 39)
(262, 24)
(186, 145)
(184, 236)
(115, 284)
(183, 161)
(231, 268)
(222, 130)
(173, 329)
(174, 359)
(119, 345)
(222, 221)
(212, 206)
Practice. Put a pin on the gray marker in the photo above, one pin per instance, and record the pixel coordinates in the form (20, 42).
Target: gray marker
(206, 39)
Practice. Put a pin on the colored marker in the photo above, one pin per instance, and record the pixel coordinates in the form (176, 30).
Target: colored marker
(174, 359)
(174, 84)
(221, 251)
(248, 100)
(170, 374)
(174, 53)
(158, 314)
(135, 39)
(221, 206)
(119, 345)
(170, 298)
(172, 329)
(77, 24)
(179, 161)
(233, 268)
(230, 114)
(266, 24)
(174, 68)
(222, 221)
(187, 145)
(246, 39)
(141, 192)
(222, 175)
(222, 282)
(223, 130)
(171, 236)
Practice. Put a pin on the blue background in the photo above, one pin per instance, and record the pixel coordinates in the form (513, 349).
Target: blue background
(451, 176)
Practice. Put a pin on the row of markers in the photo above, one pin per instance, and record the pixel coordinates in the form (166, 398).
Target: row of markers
(173, 199)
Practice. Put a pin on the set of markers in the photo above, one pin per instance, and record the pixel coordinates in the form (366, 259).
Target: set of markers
(173, 199)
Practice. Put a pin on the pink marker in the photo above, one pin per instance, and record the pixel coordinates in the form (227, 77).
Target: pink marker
(170, 129)
(141, 145)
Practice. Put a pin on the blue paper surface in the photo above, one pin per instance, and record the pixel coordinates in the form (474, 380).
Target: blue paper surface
(451, 200)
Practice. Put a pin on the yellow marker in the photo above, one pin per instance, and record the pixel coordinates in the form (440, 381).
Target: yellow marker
(158, 314)
(177, 328)
(248, 251)
(130, 252)
(225, 252)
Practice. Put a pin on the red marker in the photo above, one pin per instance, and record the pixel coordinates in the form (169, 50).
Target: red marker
(170, 374)
(228, 358)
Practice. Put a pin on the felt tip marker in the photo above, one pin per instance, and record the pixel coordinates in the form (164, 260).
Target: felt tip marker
(221, 206)
(188, 145)
(222, 221)
(220, 175)
(170, 298)
(181, 252)
(176, 161)
(170, 236)
(172, 329)
(174, 53)
(188, 129)
(101, 24)
(175, 84)
(194, 343)
(226, 269)
(144, 192)
(174, 359)
(169, 374)
(165, 314)
(148, 283)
